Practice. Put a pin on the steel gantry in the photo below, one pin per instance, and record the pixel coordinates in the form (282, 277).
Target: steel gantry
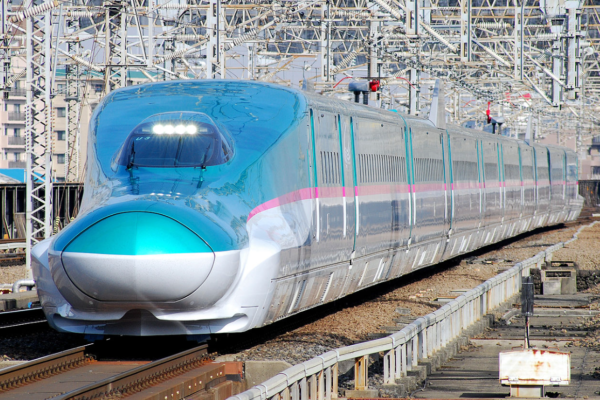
(535, 62)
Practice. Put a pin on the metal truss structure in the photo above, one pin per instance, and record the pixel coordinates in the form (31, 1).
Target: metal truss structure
(533, 62)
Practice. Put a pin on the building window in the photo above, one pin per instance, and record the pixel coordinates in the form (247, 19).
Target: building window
(17, 156)
(60, 87)
(5, 131)
(17, 108)
(60, 158)
(60, 135)
(98, 87)
(17, 132)
(61, 112)
(59, 179)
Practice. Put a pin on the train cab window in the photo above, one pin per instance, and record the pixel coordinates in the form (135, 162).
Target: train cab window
(176, 139)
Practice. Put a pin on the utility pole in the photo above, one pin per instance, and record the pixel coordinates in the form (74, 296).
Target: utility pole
(326, 63)
(573, 60)
(373, 58)
(115, 50)
(250, 48)
(412, 30)
(4, 50)
(465, 31)
(518, 33)
(215, 22)
(38, 129)
(73, 100)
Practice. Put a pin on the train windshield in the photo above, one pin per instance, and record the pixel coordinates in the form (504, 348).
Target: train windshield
(176, 140)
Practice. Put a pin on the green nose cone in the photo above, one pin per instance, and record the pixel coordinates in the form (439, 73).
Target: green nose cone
(137, 233)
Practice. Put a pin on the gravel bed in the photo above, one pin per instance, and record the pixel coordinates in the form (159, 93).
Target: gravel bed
(585, 251)
(37, 344)
(13, 273)
(353, 324)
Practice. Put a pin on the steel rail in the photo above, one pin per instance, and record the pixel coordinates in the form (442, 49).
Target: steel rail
(15, 319)
(40, 368)
(141, 377)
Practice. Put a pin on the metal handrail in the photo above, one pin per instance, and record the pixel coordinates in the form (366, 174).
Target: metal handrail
(420, 339)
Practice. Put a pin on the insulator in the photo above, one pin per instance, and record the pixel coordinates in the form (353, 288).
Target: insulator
(393, 37)
(394, 11)
(33, 11)
(176, 54)
(173, 7)
(544, 36)
(492, 25)
(241, 39)
(85, 63)
(351, 14)
(189, 37)
(251, 34)
(15, 78)
(346, 61)
(82, 14)
(439, 37)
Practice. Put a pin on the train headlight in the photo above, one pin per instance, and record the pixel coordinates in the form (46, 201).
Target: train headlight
(180, 129)
(176, 139)
(169, 129)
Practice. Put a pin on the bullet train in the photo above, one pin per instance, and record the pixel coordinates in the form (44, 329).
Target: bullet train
(221, 206)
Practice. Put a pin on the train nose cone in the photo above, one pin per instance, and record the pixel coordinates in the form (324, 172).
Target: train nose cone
(137, 256)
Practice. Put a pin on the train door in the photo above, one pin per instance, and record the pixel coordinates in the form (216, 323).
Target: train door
(481, 182)
(410, 173)
(401, 197)
(333, 245)
(428, 183)
(348, 169)
(447, 168)
(522, 205)
(314, 183)
(502, 177)
(465, 180)
(564, 164)
(492, 183)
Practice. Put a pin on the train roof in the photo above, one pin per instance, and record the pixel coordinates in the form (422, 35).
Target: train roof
(245, 109)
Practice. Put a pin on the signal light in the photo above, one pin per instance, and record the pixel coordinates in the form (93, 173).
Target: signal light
(374, 86)
(487, 112)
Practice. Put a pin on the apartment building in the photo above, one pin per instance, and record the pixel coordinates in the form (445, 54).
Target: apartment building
(12, 124)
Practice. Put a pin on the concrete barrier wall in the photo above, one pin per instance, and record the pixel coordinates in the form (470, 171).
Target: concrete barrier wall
(318, 378)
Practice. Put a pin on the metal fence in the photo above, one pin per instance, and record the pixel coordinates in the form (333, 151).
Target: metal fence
(65, 206)
(317, 379)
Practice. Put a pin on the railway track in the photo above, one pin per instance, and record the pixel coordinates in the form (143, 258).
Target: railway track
(10, 259)
(76, 374)
(18, 321)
